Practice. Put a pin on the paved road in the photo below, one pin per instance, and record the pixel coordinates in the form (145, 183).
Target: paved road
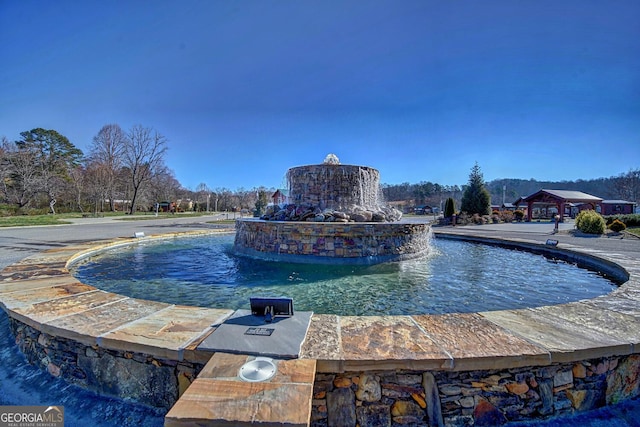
(17, 243)
(542, 231)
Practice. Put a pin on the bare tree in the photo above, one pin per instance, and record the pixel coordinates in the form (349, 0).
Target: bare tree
(165, 186)
(107, 152)
(20, 179)
(96, 174)
(627, 185)
(144, 152)
(225, 200)
(203, 194)
(77, 176)
(246, 199)
(4, 169)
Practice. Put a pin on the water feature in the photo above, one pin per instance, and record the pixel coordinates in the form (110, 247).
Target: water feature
(334, 216)
(205, 271)
(349, 229)
(332, 186)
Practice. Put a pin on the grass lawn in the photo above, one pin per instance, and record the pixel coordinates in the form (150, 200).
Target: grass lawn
(634, 230)
(58, 219)
(223, 221)
(26, 220)
(147, 216)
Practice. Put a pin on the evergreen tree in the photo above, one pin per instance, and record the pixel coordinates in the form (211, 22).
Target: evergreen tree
(261, 202)
(476, 198)
(449, 208)
(53, 157)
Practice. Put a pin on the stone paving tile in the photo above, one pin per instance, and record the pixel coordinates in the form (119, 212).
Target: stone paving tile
(299, 371)
(625, 303)
(224, 366)
(166, 332)
(476, 343)
(227, 366)
(54, 255)
(219, 397)
(323, 343)
(47, 282)
(236, 403)
(26, 271)
(44, 312)
(630, 292)
(88, 325)
(606, 319)
(566, 341)
(389, 342)
(34, 295)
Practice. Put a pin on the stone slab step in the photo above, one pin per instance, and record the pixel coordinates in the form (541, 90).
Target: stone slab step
(219, 397)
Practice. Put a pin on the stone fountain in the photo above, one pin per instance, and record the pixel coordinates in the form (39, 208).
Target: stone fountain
(334, 216)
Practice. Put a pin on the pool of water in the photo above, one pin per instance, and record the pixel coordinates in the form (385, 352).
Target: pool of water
(454, 277)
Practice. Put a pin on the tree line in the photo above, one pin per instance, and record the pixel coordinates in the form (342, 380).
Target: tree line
(123, 170)
(126, 170)
(625, 186)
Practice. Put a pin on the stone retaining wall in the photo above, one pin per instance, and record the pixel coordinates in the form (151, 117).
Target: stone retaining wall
(127, 375)
(386, 398)
(334, 242)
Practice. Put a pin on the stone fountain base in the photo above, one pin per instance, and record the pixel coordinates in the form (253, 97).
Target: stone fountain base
(330, 243)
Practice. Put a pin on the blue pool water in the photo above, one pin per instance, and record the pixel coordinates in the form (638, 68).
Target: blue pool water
(455, 277)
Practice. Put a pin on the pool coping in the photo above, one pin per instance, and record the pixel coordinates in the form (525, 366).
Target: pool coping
(40, 292)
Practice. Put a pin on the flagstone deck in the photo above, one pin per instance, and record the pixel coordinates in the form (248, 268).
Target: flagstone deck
(40, 292)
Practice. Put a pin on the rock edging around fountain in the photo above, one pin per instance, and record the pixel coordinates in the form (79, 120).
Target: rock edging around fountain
(330, 243)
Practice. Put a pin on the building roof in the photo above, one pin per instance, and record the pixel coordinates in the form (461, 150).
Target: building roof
(618, 202)
(545, 195)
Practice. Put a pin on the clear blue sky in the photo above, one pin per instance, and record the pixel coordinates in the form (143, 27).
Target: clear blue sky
(420, 90)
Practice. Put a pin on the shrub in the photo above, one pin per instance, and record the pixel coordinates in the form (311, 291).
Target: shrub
(590, 222)
(507, 216)
(480, 219)
(8, 209)
(630, 220)
(617, 226)
(519, 215)
(462, 219)
(33, 211)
